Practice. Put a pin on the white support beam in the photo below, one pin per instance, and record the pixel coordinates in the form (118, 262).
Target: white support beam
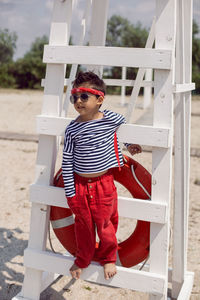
(128, 207)
(125, 278)
(47, 147)
(98, 27)
(123, 87)
(147, 89)
(108, 56)
(161, 158)
(74, 68)
(182, 147)
(141, 134)
(140, 76)
(179, 253)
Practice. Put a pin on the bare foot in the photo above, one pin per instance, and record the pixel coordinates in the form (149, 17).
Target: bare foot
(75, 271)
(109, 270)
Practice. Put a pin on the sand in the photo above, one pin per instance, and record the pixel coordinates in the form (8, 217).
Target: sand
(17, 160)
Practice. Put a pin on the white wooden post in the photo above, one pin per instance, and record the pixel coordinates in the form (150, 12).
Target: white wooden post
(140, 76)
(182, 145)
(47, 148)
(123, 88)
(98, 28)
(73, 71)
(162, 158)
(147, 89)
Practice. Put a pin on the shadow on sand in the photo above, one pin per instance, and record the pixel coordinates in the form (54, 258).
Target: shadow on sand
(10, 247)
(11, 267)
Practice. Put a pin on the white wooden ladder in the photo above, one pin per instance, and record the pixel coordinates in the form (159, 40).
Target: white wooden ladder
(40, 265)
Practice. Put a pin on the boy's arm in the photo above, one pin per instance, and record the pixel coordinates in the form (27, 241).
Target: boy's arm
(132, 148)
(67, 166)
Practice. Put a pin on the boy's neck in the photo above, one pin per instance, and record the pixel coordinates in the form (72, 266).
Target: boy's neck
(95, 116)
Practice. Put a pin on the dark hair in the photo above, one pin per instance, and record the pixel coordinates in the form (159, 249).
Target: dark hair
(91, 78)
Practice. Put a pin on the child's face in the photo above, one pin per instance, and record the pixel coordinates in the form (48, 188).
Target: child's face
(89, 107)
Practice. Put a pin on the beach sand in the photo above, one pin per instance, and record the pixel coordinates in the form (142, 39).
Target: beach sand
(17, 160)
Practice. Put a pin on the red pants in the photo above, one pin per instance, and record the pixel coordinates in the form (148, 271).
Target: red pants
(95, 208)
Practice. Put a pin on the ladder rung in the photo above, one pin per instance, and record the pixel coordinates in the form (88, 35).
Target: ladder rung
(125, 278)
(114, 82)
(109, 56)
(184, 87)
(177, 88)
(128, 207)
(127, 133)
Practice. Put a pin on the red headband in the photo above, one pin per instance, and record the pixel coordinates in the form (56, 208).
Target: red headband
(83, 89)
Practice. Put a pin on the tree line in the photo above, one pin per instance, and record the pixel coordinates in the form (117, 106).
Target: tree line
(27, 72)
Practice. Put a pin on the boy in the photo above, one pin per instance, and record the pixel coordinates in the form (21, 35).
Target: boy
(90, 152)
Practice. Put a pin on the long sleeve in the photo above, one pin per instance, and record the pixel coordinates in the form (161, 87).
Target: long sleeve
(119, 120)
(67, 165)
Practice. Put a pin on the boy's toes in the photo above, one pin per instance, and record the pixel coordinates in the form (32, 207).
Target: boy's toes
(109, 270)
(75, 271)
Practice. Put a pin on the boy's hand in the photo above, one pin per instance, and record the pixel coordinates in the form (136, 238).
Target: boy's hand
(134, 149)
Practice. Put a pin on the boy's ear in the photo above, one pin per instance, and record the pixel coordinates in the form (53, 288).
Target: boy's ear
(100, 100)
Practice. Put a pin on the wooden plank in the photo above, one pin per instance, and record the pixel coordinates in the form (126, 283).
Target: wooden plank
(74, 68)
(179, 254)
(140, 75)
(184, 87)
(144, 135)
(31, 291)
(127, 133)
(126, 278)
(113, 82)
(108, 56)
(51, 125)
(162, 158)
(148, 89)
(123, 88)
(188, 36)
(128, 207)
(98, 23)
(182, 146)
(97, 32)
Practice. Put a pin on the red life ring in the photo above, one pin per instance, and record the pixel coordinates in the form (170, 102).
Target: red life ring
(137, 180)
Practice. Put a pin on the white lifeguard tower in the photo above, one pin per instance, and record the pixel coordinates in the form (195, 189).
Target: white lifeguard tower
(171, 62)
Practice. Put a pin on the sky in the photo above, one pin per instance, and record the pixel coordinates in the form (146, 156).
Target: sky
(31, 18)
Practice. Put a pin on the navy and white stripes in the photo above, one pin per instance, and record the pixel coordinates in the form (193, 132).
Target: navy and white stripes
(89, 148)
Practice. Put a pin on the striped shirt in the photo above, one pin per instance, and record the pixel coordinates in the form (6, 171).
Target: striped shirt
(89, 148)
